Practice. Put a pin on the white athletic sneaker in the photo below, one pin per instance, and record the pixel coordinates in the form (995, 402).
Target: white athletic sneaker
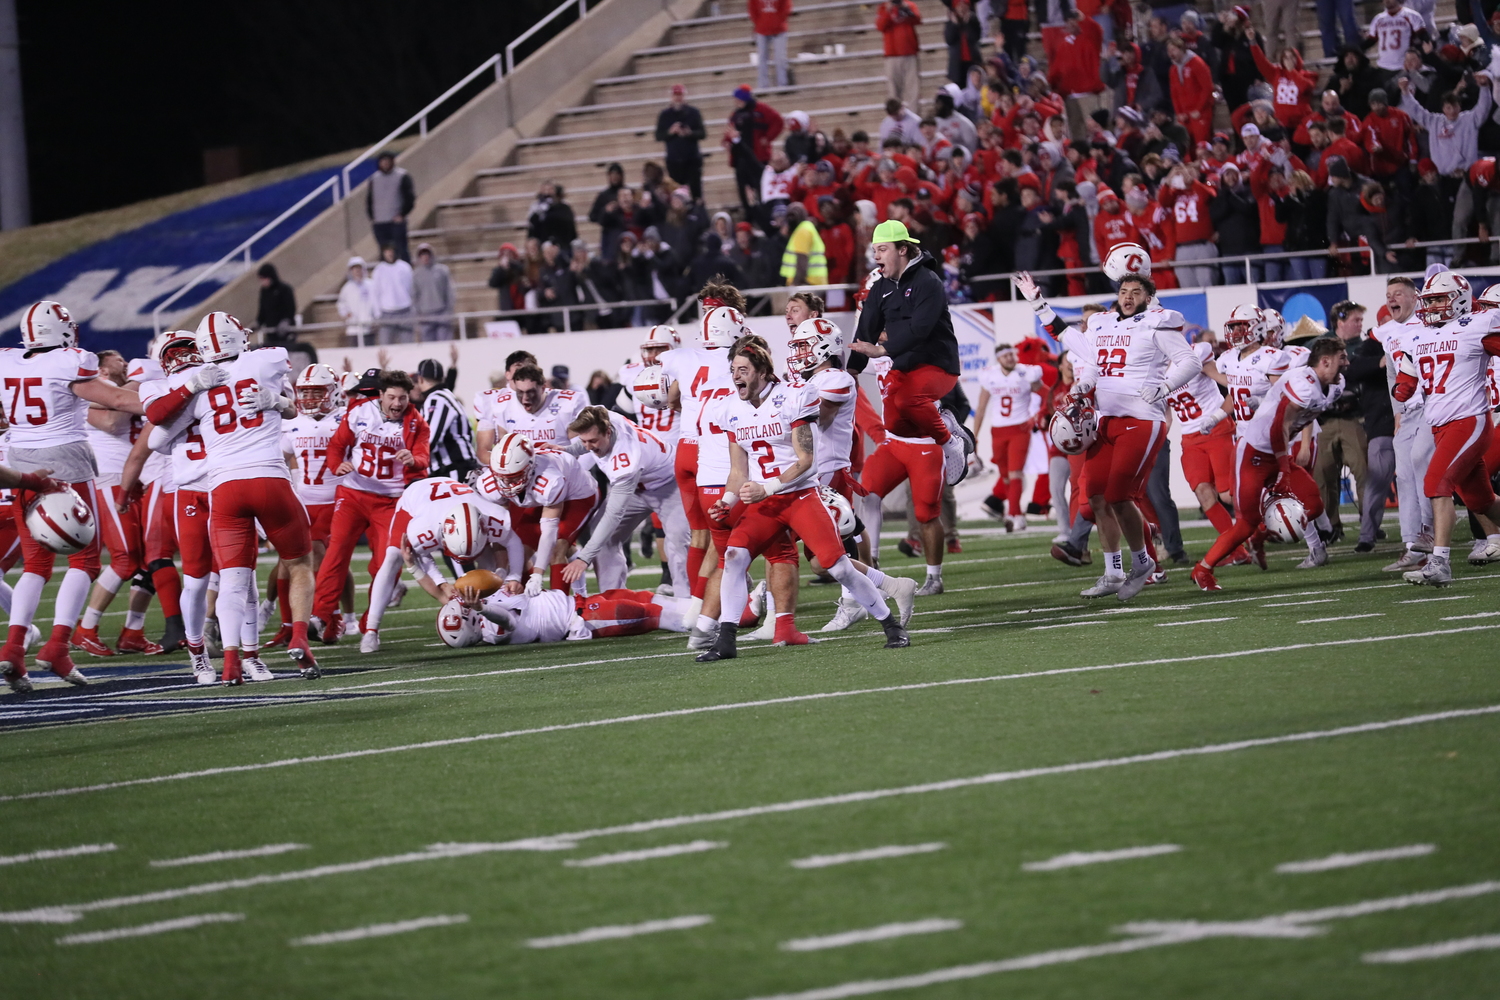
(397, 596)
(1137, 579)
(700, 640)
(255, 669)
(956, 450)
(902, 590)
(757, 602)
(351, 625)
(263, 612)
(1316, 556)
(203, 668)
(1484, 552)
(1410, 559)
(931, 587)
(1104, 586)
(849, 612)
(1437, 573)
(665, 590)
(1016, 523)
(370, 642)
(1423, 544)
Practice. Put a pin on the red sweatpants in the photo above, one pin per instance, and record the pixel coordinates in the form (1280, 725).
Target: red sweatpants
(911, 400)
(355, 513)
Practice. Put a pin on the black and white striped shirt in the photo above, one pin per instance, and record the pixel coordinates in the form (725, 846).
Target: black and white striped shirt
(452, 442)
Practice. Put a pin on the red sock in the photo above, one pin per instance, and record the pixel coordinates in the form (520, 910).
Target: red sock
(1219, 518)
(747, 619)
(299, 634)
(16, 636)
(695, 556)
(60, 633)
(168, 590)
(284, 598)
(556, 577)
(1017, 486)
(786, 631)
(1001, 484)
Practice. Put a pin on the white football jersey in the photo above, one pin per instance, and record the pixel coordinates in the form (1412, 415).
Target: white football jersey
(712, 432)
(1394, 32)
(1121, 356)
(1250, 376)
(634, 450)
(373, 454)
(834, 445)
(1453, 365)
(1296, 355)
(498, 410)
(550, 616)
(111, 449)
(556, 478)
(37, 393)
(1392, 336)
(428, 501)
(764, 433)
(1200, 397)
(187, 454)
(697, 371)
(244, 447)
(7, 497)
(305, 437)
(1010, 392)
(158, 467)
(1299, 387)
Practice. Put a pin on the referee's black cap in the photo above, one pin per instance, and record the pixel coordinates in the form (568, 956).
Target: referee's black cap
(431, 369)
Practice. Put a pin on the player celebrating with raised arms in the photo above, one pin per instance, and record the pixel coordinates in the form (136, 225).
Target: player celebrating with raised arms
(772, 474)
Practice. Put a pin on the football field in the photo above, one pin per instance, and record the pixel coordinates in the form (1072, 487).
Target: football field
(1287, 789)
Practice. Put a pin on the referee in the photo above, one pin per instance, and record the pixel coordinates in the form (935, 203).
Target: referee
(452, 442)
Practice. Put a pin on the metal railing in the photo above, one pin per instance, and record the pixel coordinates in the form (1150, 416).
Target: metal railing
(463, 318)
(752, 293)
(342, 183)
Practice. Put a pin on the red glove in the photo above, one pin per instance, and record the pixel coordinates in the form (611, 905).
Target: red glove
(1284, 465)
(33, 483)
(719, 514)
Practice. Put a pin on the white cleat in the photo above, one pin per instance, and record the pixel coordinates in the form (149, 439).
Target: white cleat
(1104, 586)
(1484, 552)
(902, 590)
(1317, 556)
(767, 630)
(263, 612)
(757, 604)
(1410, 559)
(699, 640)
(931, 587)
(370, 642)
(665, 590)
(1423, 544)
(203, 669)
(397, 596)
(75, 677)
(849, 612)
(1137, 580)
(1437, 573)
(956, 450)
(351, 624)
(1016, 523)
(33, 636)
(255, 669)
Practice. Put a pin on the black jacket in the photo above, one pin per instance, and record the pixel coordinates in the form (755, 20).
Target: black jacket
(1237, 219)
(1306, 218)
(681, 147)
(1237, 70)
(552, 220)
(954, 35)
(913, 313)
(1366, 378)
(277, 304)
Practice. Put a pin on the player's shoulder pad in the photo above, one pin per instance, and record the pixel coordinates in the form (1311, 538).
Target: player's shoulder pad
(1204, 351)
(1166, 319)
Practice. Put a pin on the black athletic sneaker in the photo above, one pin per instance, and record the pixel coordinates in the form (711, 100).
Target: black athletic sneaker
(895, 635)
(994, 507)
(723, 647)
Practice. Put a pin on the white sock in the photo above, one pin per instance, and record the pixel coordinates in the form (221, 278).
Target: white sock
(194, 607)
(934, 572)
(1113, 565)
(1322, 521)
(25, 598)
(1492, 538)
(91, 617)
(1139, 560)
(250, 631)
(1442, 552)
(706, 624)
(732, 590)
(236, 591)
(875, 576)
(5, 593)
(133, 619)
(71, 596)
(860, 586)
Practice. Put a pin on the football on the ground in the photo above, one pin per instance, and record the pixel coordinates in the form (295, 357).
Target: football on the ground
(482, 580)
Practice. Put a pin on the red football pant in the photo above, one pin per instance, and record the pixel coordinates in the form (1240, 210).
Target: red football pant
(685, 466)
(1008, 448)
(781, 549)
(526, 522)
(355, 513)
(161, 545)
(619, 612)
(191, 528)
(911, 400)
(1120, 460)
(1209, 458)
(121, 532)
(234, 508)
(896, 461)
(1457, 464)
(803, 513)
(1256, 471)
(10, 540)
(37, 559)
(320, 520)
(867, 422)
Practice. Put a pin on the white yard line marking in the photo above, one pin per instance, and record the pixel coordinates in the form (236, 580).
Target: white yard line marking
(1298, 604)
(61, 852)
(1149, 934)
(1340, 618)
(159, 927)
(616, 931)
(564, 841)
(944, 611)
(624, 857)
(253, 852)
(381, 930)
(1195, 621)
(1464, 618)
(1040, 611)
(1038, 628)
(884, 932)
(1429, 600)
(1359, 858)
(1441, 949)
(731, 706)
(872, 854)
(1075, 858)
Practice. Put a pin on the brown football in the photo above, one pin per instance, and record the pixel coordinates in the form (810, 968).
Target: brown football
(482, 580)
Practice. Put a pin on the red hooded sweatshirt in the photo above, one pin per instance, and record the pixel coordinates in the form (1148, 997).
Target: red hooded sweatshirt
(1289, 90)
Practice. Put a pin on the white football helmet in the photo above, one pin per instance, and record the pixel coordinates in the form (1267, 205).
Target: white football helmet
(464, 532)
(61, 522)
(47, 324)
(512, 462)
(1074, 429)
(1444, 297)
(722, 327)
(458, 626)
(178, 350)
(317, 389)
(1127, 260)
(221, 337)
(1488, 299)
(1275, 333)
(813, 342)
(841, 511)
(661, 337)
(1246, 325)
(651, 387)
(347, 382)
(1285, 518)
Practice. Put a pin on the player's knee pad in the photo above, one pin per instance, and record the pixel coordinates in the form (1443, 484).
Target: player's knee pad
(142, 581)
(159, 564)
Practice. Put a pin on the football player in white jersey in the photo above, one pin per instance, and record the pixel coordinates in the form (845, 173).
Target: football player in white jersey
(48, 384)
(772, 488)
(665, 423)
(527, 407)
(1413, 442)
(487, 401)
(1484, 551)
(1007, 394)
(158, 504)
(1263, 453)
(1448, 359)
(1207, 440)
(381, 446)
(240, 423)
(551, 496)
(1130, 358)
(500, 618)
(642, 482)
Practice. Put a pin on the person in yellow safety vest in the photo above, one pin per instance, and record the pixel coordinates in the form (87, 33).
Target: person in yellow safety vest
(803, 261)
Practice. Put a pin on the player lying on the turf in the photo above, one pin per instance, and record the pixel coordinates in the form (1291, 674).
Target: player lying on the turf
(483, 610)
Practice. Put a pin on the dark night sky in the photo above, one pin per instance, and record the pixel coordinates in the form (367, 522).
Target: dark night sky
(120, 107)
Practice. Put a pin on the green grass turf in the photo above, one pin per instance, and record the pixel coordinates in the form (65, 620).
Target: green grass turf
(1236, 815)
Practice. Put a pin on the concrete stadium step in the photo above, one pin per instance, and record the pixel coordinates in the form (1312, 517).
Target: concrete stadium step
(718, 189)
(804, 18)
(731, 53)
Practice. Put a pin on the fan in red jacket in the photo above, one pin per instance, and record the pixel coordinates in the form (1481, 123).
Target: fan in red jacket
(1192, 88)
(380, 448)
(1073, 56)
(1389, 137)
(1269, 176)
(1347, 146)
(897, 24)
(769, 16)
(1158, 232)
(1291, 85)
(1112, 226)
